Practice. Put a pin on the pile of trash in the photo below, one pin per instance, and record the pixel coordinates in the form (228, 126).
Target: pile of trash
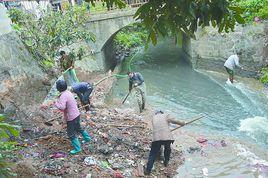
(119, 147)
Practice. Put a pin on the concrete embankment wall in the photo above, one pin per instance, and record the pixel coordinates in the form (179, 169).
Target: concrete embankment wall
(210, 49)
(20, 76)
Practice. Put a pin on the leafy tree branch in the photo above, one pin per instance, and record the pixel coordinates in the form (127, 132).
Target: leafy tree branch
(173, 17)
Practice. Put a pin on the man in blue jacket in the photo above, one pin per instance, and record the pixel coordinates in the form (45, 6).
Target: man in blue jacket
(136, 81)
(83, 91)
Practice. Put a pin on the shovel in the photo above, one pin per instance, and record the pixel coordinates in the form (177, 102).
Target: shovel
(126, 97)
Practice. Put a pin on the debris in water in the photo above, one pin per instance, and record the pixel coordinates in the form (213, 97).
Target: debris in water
(201, 140)
(205, 171)
(191, 150)
(223, 143)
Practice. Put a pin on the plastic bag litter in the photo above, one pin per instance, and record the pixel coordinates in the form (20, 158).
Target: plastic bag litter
(90, 161)
(58, 155)
(223, 143)
(117, 174)
(88, 176)
(201, 140)
(192, 150)
(205, 171)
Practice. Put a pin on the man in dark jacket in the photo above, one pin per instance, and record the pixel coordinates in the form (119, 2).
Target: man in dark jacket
(136, 81)
(83, 91)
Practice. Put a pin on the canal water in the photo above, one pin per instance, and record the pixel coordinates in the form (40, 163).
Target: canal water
(235, 114)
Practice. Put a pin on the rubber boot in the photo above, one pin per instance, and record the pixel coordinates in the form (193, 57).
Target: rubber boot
(76, 144)
(86, 137)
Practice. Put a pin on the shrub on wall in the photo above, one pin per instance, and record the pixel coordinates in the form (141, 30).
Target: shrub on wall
(131, 36)
(254, 8)
(264, 75)
(7, 131)
(45, 36)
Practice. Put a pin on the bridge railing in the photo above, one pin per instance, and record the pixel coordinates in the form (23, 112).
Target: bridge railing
(137, 3)
(100, 7)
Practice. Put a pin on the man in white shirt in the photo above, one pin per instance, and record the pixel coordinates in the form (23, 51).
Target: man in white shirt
(231, 63)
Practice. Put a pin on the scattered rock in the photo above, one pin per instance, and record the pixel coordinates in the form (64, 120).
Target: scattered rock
(56, 168)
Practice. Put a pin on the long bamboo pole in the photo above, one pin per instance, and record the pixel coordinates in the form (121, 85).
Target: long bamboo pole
(187, 123)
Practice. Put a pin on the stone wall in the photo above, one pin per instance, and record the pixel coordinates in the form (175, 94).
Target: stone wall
(5, 22)
(104, 26)
(21, 79)
(211, 49)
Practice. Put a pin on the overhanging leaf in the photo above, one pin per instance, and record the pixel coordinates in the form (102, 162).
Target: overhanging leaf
(153, 37)
(11, 128)
(239, 19)
(2, 117)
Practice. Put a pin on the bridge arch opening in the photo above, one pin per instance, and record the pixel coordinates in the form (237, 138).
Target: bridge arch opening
(112, 57)
(105, 27)
(110, 54)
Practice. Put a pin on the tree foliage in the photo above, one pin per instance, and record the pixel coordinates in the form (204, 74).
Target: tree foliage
(118, 3)
(264, 75)
(254, 8)
(44, 36)
(6, 145)
(172, 17)
(131, 36)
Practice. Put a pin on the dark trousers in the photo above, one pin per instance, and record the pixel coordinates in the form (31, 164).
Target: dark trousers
(155, 148)
(74, 127)
(84, 98)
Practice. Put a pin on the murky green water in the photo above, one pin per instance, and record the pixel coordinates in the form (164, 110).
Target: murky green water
(235, 113)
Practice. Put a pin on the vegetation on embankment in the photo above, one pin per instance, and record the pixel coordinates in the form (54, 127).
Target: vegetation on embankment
(126, 43)
(131, 36)
(255, 11)
(45, 36)
(7, 145)
(254, 8)
(264, 75)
